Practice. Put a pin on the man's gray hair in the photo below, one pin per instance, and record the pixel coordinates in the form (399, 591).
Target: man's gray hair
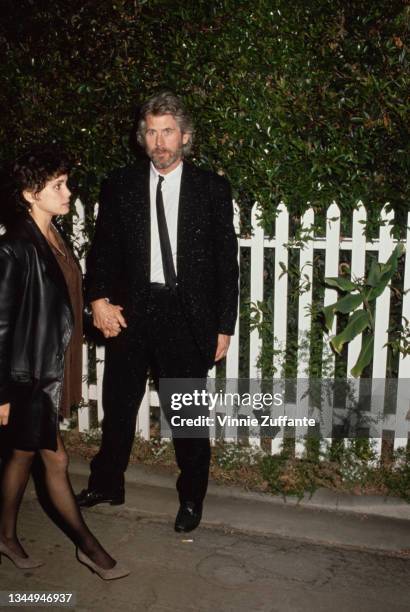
(166, 103)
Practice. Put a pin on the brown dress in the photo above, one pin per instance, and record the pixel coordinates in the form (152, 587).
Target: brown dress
(72, 382)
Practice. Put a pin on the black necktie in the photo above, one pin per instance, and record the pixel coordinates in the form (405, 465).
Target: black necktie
(166, 252)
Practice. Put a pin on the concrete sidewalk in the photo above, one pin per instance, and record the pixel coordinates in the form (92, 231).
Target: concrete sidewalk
(251, 553)
(360, 522)
(211, 570)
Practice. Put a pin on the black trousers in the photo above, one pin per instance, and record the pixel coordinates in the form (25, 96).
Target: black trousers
(162, 344)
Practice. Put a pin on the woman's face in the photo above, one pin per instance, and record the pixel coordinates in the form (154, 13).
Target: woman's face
(53, 199)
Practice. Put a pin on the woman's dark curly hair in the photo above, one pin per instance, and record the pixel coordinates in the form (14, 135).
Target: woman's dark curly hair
(31, 171)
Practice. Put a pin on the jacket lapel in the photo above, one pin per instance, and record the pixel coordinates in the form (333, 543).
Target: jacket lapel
(139, 198)
(147, 221)
(186, 213)
(53, 270)
(136, 201)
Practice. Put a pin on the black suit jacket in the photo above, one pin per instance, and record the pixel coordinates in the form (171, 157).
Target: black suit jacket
(118, 265)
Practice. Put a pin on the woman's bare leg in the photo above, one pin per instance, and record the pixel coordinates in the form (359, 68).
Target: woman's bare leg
(16, 473)
(62, 497)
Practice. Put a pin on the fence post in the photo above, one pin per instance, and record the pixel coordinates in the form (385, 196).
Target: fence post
(331, 269)
(402, 411)
(142, 427)
(304, 327)
(78, 243)
(256, 289)
(357, 271)
(280, 304)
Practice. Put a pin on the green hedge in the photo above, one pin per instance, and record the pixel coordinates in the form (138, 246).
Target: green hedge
(305, 101)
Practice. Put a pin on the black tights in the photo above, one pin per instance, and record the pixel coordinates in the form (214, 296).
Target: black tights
(15, 477)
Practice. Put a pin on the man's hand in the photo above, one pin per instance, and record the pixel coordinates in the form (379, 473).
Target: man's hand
(222, 347)
(4, 414)
(107, 318)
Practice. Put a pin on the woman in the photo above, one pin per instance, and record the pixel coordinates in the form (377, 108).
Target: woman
(40, 353)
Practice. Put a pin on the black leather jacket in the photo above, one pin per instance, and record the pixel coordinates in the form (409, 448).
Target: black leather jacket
(36, 322)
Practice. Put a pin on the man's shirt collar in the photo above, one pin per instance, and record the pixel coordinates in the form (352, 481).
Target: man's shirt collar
(172, 177)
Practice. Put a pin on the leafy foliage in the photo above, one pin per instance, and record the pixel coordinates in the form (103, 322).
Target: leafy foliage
(303, 101)
(360, 292)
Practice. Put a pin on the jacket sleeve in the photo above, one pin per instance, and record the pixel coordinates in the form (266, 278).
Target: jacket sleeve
(226, 253)
(9, 275)
(103, 260)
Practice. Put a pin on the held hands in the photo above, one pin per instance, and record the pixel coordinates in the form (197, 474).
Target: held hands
(222, 346)
(4, 414)
(107, 318)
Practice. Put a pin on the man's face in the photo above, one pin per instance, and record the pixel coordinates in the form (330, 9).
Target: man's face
(164, 141)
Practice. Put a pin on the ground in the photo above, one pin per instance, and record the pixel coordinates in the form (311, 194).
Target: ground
(210, 570)
(250, 554)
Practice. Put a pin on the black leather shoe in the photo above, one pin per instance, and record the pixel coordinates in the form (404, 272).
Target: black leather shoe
(90, 497)
(188, 517)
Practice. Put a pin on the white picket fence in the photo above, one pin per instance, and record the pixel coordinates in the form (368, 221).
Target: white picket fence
(331, 244)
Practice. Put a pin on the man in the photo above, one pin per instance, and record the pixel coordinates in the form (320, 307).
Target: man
(166, 251)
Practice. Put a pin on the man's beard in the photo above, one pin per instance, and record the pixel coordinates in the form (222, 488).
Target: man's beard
(166, 162)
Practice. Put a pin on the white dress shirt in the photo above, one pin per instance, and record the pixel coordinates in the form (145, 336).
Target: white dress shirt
(171, 186)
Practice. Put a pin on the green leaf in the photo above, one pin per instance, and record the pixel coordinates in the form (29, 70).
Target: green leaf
(401, 249)
(376, 291)
(283, 268)
(365, 356)
(341, 282)
(348, 303)
(329, 315)
(390, 267)
(386, 272)
(373, 277)
(358, 321)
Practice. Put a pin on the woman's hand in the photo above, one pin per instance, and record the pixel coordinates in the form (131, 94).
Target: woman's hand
(107, 318)
(4, 414)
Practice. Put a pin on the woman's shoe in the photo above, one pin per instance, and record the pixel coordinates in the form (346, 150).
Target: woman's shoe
(20, 562)
(114, 573)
